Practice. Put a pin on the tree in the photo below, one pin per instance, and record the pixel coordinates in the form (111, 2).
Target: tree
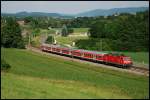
(64, 31)
(50, 39)
(11, 34)
(125, 32)
(70, 30)
(97, 30)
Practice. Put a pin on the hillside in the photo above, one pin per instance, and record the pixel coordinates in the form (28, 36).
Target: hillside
(92, 13)
(107, 12)
(36, 14)
(35, 75)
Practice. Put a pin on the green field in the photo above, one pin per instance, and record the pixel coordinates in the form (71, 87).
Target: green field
(39, 76)
(76, 30)
(141, 57)
(80, 30)
(68, 40)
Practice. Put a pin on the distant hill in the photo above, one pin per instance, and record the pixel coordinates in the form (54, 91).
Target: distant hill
(106, 12)
(35, 14)
(92, 13)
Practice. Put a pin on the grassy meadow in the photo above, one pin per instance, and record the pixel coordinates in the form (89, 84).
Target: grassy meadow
(68, 40)
(80, 30)
(34, 75)
(141, 57)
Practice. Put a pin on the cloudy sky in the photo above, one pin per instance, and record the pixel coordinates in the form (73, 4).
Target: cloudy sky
(66, 7)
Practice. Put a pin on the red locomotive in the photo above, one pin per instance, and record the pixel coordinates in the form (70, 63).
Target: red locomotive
(107, 58)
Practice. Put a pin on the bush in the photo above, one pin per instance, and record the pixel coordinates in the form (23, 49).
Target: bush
(4, 65)
(50, 39)
(64, 31)
(70, 30)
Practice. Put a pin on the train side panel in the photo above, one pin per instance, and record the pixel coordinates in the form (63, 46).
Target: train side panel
(103, 57)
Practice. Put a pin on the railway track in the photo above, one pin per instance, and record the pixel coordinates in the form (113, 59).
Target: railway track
(145, 71)
(133, 69)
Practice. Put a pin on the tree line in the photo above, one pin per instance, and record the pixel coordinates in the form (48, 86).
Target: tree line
(11, 33)
(126, 32)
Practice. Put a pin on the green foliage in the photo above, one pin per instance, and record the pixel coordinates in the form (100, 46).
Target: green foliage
(11, 34)
(51, 31)
(97, 30)
(4, 65)
(50, 40)
(70, 30)
(36, 32)
(125, 32)
(64, 31)
(28, 19)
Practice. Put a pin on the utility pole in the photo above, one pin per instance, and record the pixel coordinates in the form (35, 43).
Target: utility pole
(29, 40)
(101, 44)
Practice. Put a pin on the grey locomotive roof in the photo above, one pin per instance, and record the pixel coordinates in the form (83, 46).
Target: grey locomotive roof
(81, 50)
(95, 52)
(51, 45)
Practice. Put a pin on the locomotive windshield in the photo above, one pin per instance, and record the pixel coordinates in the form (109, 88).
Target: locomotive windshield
(126, 58)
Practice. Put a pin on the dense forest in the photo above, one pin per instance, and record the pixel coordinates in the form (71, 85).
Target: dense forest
(123, 32)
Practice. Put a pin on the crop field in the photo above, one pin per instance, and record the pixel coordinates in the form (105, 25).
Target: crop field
(34, 75)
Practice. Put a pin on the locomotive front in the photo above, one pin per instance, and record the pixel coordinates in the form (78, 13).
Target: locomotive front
(127, 61)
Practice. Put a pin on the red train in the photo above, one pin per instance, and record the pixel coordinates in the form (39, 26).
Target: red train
(107, 58)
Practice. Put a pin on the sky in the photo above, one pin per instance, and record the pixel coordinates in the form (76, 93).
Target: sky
(66, 7)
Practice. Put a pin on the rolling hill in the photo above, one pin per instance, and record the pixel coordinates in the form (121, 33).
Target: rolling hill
(36, 14)
(106, 12)
(92, 13)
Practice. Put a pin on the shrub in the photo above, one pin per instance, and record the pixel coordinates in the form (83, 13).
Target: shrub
(4, 65)
(70, 30)
(50, 39)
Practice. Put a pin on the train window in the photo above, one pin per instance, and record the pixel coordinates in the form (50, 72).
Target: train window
(98, 56)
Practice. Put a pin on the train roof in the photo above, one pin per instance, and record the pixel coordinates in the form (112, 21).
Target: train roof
(95, 52)
(81, 50)
(52, 45)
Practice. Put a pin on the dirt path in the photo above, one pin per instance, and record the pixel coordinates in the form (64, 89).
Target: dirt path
(86, 62)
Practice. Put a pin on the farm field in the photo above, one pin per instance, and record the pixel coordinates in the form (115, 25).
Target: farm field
(39, 76)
